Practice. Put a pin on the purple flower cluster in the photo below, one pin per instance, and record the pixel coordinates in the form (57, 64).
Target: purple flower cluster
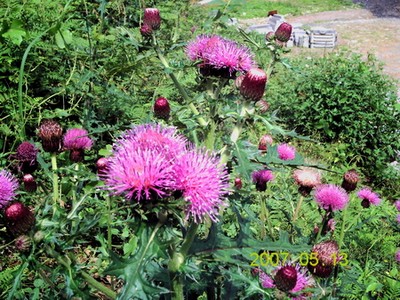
(219, 56)
(150, 162)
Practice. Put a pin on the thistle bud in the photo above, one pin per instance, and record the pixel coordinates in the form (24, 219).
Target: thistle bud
(238, 183)
(102, 165)
(328, 255)
(22, 243)
(283, 32)
(161, 108)
(350, 180)
(19, 219)
(262, 105)
(50, 132)
(146, 30)
(253, 84)
(270, 36)
(30, 184)
(286, 278)
(152, 18)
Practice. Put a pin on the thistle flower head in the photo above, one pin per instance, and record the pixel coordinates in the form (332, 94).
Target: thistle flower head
(161, 108)
(397, 256)
(261, 178)
(286, 278)
(76, 140)
(30, 184)
(307, 179)
(286, 152)
(238, 183)
(270, 36)
(283, 32)
(19, 219)
(219, 56)
(8, 186)
(253, 84)
(152, 18)
(263, 106)
(50, 132)
(330, 196)
(146, 30)
(102, 166)
(25, 156)
(203, 183)
(368, 197)
(22, 243)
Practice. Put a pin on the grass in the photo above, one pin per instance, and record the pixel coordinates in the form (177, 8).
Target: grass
(259, 8)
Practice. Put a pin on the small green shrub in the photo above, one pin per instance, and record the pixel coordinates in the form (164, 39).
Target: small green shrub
(342, 98)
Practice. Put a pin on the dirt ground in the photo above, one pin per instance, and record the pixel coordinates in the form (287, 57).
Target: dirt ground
(361, 30)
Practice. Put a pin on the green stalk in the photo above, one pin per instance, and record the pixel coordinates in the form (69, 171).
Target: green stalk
(98, 286)
(342, 229)
(55, 180)
(189, 238)
(296, 212)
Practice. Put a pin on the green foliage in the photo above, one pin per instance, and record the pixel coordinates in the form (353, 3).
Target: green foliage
(342, 98)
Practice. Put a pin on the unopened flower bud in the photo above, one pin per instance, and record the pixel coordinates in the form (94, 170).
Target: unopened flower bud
(238, 183)
(30, 184)
(350, 180)
(19, 219)
(161, 108)
(146, 30)
(102, 165)
(23, 243)
(253, 84)
(152, 18)
(286, 278)
(283, 32)
(265, 141)
(270, 36)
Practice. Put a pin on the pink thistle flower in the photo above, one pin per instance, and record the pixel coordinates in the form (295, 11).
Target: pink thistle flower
(368, 197)
(8, 186)
(266, 281)
(286, 152)
(219, 56)
(76, 140)
(139, 173)
(202, 182)
(330, 196)
(307, 179)
(397, 256)
(261, 178)
(253, 84)
(152, 18)
(397, 205)
(398, 218)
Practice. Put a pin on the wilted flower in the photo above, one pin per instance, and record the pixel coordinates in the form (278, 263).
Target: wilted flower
(161, 108)
(19, 219)
(8, 186)
(25, 156)
(265, 141)
(152, 18)
(261, 177)
(23, 243)
(30, 184)
(330, 196)
(253, 84)
(350, 180)
(77, 141)
(202, 182)
(286, 152)
(397, 205)
(218, 56)
(50, 132)
(283, 32)
(327, 254)
(307, 179)
(368, 197)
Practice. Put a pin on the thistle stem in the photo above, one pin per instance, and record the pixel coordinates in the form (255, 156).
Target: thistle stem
(55, 179)
(297, 210)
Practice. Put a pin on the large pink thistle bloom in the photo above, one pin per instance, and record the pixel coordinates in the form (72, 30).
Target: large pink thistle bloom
(286, 152)
(397, 205)
(368, 197)
(203, 183)
(139, 173)
(330, 196)
(8, 186)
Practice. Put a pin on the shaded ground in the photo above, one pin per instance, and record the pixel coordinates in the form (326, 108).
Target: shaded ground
(358, 29)
(381, 8)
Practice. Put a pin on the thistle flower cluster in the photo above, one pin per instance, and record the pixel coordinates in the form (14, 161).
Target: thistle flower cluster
(151, 163)
(219, 56)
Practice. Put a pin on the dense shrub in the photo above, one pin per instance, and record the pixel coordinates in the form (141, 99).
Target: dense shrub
(342, 98)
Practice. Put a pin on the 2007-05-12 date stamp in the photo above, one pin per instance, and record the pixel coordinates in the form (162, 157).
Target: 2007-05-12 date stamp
(304, 259)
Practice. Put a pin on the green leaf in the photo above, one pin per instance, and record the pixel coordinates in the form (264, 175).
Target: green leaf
(15, 33)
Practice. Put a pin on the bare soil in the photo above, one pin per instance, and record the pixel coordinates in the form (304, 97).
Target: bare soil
(360, 30)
